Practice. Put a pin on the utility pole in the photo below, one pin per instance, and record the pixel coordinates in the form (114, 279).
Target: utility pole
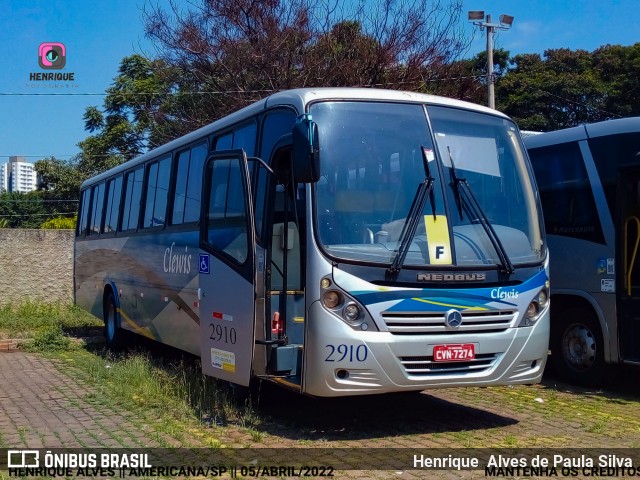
(478, 18)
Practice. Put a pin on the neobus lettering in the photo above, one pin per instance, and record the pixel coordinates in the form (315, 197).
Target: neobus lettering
(451, 277)
(178, 263)
(501, 294)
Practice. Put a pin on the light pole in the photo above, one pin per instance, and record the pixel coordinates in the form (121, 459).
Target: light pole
(478, 18)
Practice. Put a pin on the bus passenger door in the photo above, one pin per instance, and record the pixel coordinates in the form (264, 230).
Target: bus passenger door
(628, 284)
(226, 269)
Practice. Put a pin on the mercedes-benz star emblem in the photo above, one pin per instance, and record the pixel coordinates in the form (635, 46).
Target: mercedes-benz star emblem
(453, 318)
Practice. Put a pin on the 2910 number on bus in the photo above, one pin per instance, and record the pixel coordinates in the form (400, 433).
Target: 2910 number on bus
(348, 353)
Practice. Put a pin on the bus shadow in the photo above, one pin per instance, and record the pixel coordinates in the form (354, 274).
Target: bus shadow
(296, 417)
(619, 386)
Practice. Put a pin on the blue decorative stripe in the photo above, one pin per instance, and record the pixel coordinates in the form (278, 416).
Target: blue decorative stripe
(479, 298)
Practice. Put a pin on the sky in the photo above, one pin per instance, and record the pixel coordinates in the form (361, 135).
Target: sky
(98, 34)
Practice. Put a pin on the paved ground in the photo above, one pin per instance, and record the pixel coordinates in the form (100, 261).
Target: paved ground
(41, 406)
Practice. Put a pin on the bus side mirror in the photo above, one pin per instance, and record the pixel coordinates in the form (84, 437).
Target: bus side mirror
(306, 151)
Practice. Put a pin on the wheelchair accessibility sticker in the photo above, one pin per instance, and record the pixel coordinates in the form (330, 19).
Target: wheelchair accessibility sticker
(204, 263)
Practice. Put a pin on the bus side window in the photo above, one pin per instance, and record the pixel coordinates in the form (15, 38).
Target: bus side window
(194, 185)
(133, 194)
(567, 199)
(114, 190)
(186, 204)
(84, 213)
(97, 204)
(245, 138)
(275, 125)
(157, 191)
(181, 189)
(227, 220)
(224, 142)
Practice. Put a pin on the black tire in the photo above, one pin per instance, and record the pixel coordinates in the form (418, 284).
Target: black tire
(113, 334)
(577, 347)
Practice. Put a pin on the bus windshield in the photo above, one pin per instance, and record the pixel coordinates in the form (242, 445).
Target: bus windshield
(372, 165)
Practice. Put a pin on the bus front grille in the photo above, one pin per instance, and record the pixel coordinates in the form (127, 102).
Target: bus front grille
(433, 323)
(422, 366)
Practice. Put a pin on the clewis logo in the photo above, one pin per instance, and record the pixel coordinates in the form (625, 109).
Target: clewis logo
(52, 56)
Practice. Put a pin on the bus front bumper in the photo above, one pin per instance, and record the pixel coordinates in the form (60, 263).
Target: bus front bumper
(350, 362)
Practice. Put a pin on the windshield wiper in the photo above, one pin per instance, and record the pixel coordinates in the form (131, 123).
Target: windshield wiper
(425, 189)
(463, 193)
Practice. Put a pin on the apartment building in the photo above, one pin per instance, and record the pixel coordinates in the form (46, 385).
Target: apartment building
(18, 176)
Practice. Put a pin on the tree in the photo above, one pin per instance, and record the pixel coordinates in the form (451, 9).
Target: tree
(59, 186)
(618, 68)
(222, 55)
(59, 179)
(565, 87)
(467, 79)
(22, 210)
(136, 116)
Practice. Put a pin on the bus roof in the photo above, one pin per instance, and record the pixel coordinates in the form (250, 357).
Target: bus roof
(299, 98)
(584, 132)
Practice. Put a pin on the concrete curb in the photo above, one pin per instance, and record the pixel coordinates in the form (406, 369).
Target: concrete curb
(11, 344)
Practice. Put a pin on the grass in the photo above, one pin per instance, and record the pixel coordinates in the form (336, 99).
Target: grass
(163, 394)
(50, 339)
(28, 319)
(187, 402)
(174, 391)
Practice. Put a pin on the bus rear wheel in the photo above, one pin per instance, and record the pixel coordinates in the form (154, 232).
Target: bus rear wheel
(112, 332)
(577, 347)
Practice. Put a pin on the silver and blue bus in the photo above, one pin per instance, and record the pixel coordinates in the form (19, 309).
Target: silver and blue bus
(589, 180)
(336, 241)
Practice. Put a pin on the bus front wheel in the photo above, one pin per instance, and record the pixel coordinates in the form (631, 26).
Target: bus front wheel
(112, 332)
(577, 347)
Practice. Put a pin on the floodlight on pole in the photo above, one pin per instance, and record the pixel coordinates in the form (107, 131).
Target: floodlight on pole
(477, 17)
(506, 20)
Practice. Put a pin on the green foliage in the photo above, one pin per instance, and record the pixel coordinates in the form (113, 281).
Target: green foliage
(134, 117)
(63, 223)
(28, 318)
(566, 87)
(60, 179)
(468, 78)
(57, 197)
(51, 339)
(22, 210)
(176, 391)
(217, 57)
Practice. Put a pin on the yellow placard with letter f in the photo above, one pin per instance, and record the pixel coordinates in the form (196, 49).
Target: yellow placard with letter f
(438, 239)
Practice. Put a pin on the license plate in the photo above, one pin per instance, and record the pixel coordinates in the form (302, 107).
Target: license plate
(454, 353)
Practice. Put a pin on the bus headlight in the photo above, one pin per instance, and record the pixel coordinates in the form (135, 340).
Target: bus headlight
(535, 307)
(343, 306)
(543, 298)
(331, 299)
(351, 313)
